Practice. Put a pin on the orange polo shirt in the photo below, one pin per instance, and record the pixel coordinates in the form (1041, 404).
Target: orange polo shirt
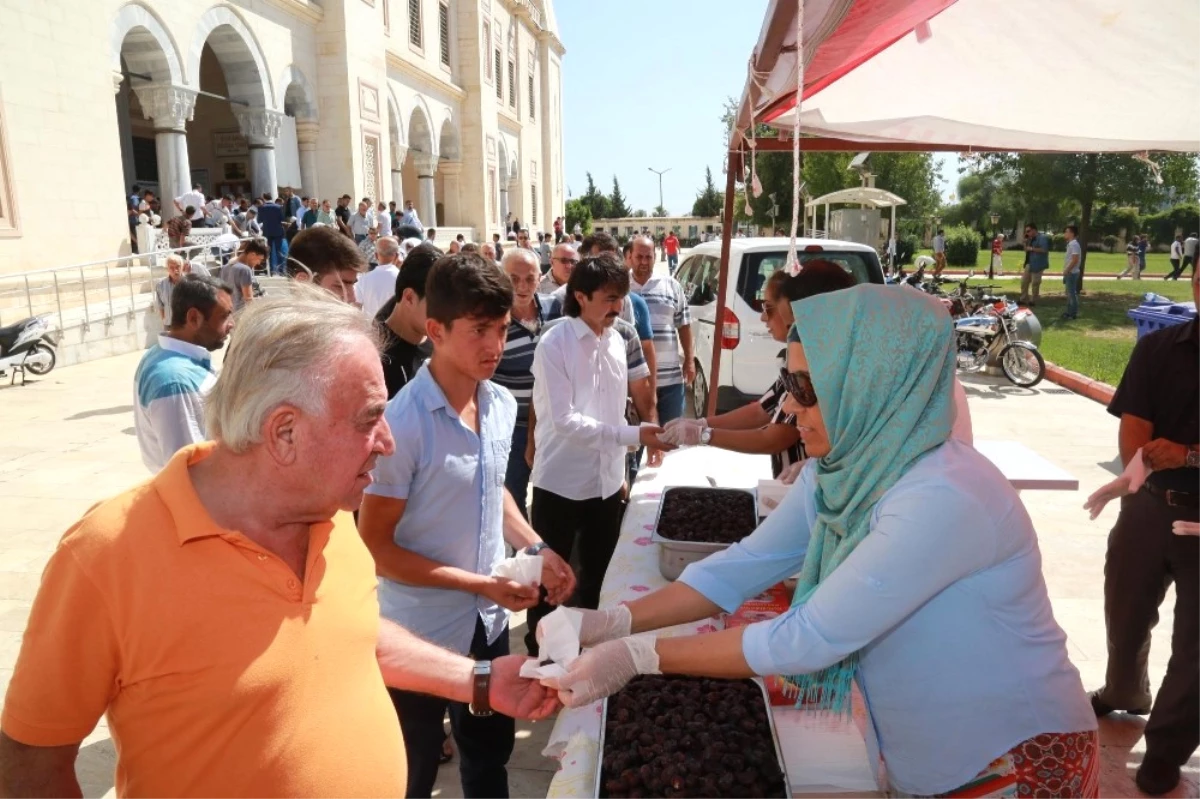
(221, 672)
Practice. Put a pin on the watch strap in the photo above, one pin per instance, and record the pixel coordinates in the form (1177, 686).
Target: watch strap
(534, 549)
(481, 685)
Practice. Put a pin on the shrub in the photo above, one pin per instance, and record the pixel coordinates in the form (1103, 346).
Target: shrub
(906, 247)
(1110, 243)
(962, 246)
(1058, 243)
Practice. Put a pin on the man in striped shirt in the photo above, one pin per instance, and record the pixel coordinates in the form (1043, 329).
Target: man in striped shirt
(671, 321)
(515, 370)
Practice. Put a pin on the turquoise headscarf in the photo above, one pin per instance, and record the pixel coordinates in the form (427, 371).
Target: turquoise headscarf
(882, 365)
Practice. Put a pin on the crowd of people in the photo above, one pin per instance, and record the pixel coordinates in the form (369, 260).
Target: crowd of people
(310, 581)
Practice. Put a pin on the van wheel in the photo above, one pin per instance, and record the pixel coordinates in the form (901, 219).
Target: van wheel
(699, 394)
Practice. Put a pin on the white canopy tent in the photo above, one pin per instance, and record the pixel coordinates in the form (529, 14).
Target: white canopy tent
(859, 195)
(1066, 76)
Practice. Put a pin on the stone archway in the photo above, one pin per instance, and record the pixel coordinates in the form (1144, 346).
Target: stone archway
(420, 166)
(152, 104)
(299, 129)
(226, 60)
(449, 183)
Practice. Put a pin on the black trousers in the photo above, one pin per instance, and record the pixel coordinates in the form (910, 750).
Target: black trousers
(1143, 558)
(595, 524)
(484, 743)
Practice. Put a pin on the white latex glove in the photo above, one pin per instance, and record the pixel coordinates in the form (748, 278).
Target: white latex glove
(1185, 528)
(791, 472)
(605, 669)
(598, 626)
(681, 422)
(684, 435)
(1130, 482)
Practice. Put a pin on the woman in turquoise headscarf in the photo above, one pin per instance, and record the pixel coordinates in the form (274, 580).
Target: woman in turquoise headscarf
(920, 575)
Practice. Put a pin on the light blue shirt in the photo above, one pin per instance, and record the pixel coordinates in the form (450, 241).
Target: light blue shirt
(960, 656)
(453, 483)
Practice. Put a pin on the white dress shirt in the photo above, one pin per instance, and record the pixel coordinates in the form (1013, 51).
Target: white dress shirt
(196, 200)
(579, 390)
(376, 287)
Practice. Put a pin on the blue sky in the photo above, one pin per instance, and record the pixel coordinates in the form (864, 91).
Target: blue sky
(644, 84)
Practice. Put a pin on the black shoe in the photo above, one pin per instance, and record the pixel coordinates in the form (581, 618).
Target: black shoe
(1102, 708)
(1156, 776)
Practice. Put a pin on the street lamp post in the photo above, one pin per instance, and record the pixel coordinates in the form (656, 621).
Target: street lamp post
(660, 173)
(995, 217)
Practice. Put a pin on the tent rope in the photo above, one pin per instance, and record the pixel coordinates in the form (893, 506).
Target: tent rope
(793, 261)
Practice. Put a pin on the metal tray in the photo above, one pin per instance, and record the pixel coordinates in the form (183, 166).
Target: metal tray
(787, 782)
(674, 556)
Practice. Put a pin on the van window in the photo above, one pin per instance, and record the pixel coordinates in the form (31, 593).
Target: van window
(758, 266)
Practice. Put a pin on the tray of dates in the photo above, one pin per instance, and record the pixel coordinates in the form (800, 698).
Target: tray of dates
(693, 523)
(689, 736)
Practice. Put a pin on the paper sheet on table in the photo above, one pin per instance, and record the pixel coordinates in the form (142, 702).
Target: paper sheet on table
(558, 643)
(522, 568)
(824, 753)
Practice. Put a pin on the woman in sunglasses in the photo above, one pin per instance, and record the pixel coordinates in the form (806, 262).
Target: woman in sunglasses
(919, 574)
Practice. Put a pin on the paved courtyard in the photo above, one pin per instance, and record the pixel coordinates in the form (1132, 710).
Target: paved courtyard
(67, 442)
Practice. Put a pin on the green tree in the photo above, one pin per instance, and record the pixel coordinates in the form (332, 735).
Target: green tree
(709, 202)
(617, 207)
(579, 213)
(596, 203)
(639, 213)
(1086, 180)
(660, 211)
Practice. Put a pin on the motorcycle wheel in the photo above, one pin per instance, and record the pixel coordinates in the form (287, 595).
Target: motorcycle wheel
(1023, 365)
(37, 368)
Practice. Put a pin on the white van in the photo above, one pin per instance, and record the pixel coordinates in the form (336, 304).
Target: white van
(750, 358)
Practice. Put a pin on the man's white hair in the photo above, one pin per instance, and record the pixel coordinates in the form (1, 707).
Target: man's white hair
(387, 247)
(284, 352)
(519, 254)
(175, 259)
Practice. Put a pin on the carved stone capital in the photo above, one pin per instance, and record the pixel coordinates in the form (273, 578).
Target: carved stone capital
(306, 134)
(260, 126)
(399, 154)
(117, 78)
(427, 164)
(170, 107)
(450, 168)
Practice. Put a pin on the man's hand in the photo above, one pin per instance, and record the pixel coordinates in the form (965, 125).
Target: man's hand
(1163, 454)
(516, 696)
(557, 577)
(689, 371)
(510, 594)
(529, 451)
(651, 436)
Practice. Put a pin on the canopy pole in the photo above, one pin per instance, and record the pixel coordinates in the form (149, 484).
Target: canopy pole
(892, 230)
(714, 373)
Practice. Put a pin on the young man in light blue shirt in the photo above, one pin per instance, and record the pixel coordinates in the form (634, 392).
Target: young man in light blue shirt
(437, 516)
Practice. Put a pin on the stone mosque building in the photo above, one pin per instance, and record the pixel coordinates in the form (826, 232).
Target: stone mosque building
(453, 104)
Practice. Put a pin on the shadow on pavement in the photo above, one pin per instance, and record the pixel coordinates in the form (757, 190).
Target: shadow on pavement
(95, 768)
(113, 411)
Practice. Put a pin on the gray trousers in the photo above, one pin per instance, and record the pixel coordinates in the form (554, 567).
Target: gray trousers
(1143, 558)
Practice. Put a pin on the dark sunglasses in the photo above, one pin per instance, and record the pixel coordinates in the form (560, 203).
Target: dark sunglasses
(800, 386)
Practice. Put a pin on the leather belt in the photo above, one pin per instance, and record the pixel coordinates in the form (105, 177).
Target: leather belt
(1176, 499)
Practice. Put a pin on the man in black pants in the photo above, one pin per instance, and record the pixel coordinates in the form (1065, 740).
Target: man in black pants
(580, 372)
(1157, 402)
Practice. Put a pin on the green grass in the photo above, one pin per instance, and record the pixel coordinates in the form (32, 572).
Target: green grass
(1099, 342)
(1101, 263)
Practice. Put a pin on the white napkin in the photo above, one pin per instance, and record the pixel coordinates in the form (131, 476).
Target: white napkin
(559, 645)
(524, 569)
(1130, 482)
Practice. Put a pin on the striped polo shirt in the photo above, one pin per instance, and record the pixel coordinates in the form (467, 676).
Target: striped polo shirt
(515, 370)
(169, 388)
(668, 312)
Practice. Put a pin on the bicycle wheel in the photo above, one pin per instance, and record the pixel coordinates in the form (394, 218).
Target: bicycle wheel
(1022, 364)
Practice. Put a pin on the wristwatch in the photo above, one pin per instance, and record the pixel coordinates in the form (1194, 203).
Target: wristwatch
(706, 436)
(481, 686)
(1193, 459)
(533, 549)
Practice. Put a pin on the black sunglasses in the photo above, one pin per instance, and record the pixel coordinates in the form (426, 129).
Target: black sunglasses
(800, 386)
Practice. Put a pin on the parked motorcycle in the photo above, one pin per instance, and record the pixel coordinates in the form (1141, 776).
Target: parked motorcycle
(29, 346)
(994, 330)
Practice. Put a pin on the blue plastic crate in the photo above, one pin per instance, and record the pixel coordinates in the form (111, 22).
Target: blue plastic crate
(1157, 317)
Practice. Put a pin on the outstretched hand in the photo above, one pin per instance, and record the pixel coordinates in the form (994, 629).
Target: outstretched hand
(517, 696)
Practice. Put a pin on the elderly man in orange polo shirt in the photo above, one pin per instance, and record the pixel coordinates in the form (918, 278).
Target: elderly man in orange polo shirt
(223, 614)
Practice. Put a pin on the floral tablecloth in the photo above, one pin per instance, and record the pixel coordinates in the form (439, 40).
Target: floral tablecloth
(633, 572)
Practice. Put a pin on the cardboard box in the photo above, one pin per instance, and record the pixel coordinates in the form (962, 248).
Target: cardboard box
(764, 607)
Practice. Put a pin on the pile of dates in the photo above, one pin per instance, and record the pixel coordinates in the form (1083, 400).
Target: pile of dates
(689, 736)
(707, 515)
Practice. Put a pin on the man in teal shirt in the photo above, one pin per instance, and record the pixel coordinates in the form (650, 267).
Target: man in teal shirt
(1037, 261)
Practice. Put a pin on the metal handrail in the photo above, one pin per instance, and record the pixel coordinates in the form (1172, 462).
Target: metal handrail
(66, 281)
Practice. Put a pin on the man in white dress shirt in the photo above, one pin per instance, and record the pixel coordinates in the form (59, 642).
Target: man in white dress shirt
(580, 376)
(378, 286)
